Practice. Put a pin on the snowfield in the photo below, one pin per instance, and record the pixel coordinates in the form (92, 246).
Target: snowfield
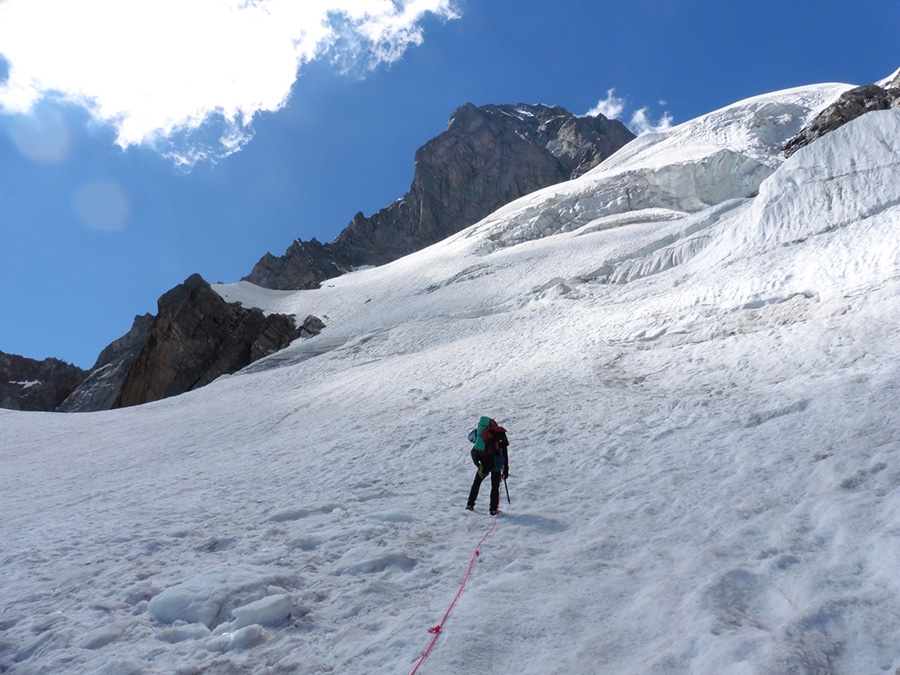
(694, 350)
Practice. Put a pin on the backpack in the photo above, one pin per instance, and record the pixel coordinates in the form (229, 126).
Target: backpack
(476, 436)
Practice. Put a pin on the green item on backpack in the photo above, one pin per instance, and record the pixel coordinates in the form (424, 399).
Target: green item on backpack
(479, 441)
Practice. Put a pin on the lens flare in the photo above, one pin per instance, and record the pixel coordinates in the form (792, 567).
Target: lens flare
(42, 136)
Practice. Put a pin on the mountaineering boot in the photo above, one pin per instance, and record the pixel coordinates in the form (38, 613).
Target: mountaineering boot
(469, 507)
(494, 512)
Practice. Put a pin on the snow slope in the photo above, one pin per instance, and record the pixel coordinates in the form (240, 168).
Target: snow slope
(694, 350)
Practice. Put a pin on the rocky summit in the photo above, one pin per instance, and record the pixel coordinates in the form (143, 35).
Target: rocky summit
(487, 157)
(197, 336)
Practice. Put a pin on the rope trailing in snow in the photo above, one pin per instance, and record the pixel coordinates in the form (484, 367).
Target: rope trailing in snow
(437, 629)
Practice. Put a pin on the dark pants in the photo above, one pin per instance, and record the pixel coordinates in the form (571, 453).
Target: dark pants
(495, 489)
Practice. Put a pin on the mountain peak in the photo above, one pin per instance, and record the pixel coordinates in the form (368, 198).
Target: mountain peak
(488, 156)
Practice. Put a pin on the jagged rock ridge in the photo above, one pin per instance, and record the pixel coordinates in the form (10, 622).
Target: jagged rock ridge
(197, 336)
(28, 384)
(487, 157)
(850, 105)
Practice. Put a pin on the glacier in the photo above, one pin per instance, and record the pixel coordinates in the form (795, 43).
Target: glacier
(693, 348)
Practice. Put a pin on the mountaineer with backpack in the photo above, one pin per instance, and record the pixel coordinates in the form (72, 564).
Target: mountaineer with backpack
(489, 453)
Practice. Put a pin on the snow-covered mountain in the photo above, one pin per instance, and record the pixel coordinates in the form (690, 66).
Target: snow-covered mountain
(488, 156)
(693, 348)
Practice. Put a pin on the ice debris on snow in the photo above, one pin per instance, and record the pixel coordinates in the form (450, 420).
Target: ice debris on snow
(183, 632)
(272, 610)
(213, 596)
(242, 638)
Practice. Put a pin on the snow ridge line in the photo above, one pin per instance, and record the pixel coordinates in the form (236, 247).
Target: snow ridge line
(437, 629)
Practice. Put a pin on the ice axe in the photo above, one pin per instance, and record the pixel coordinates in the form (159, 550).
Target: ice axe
(507, 491)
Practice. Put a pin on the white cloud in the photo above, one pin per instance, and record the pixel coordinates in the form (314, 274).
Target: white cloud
(611, 107)
(640, 123)
(189, 75)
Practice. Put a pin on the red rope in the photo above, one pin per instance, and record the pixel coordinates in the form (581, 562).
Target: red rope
(437, 629)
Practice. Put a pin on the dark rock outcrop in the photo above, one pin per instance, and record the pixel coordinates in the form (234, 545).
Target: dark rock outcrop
(126, 345)
(487, 157)
(28, 384)
(101, 388)
(279, 330)
(850, 105)
(197, 336)
(305, 265)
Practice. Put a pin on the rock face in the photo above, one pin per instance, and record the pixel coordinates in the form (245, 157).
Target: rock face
(27, 384)
(101, 388)
(197, 336)
(305, 265)
(848, 107)
(487, 157)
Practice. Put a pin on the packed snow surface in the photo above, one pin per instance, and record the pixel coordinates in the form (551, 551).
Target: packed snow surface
(694, 350)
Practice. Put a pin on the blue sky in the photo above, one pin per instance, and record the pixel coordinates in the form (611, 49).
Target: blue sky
(100, 213)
